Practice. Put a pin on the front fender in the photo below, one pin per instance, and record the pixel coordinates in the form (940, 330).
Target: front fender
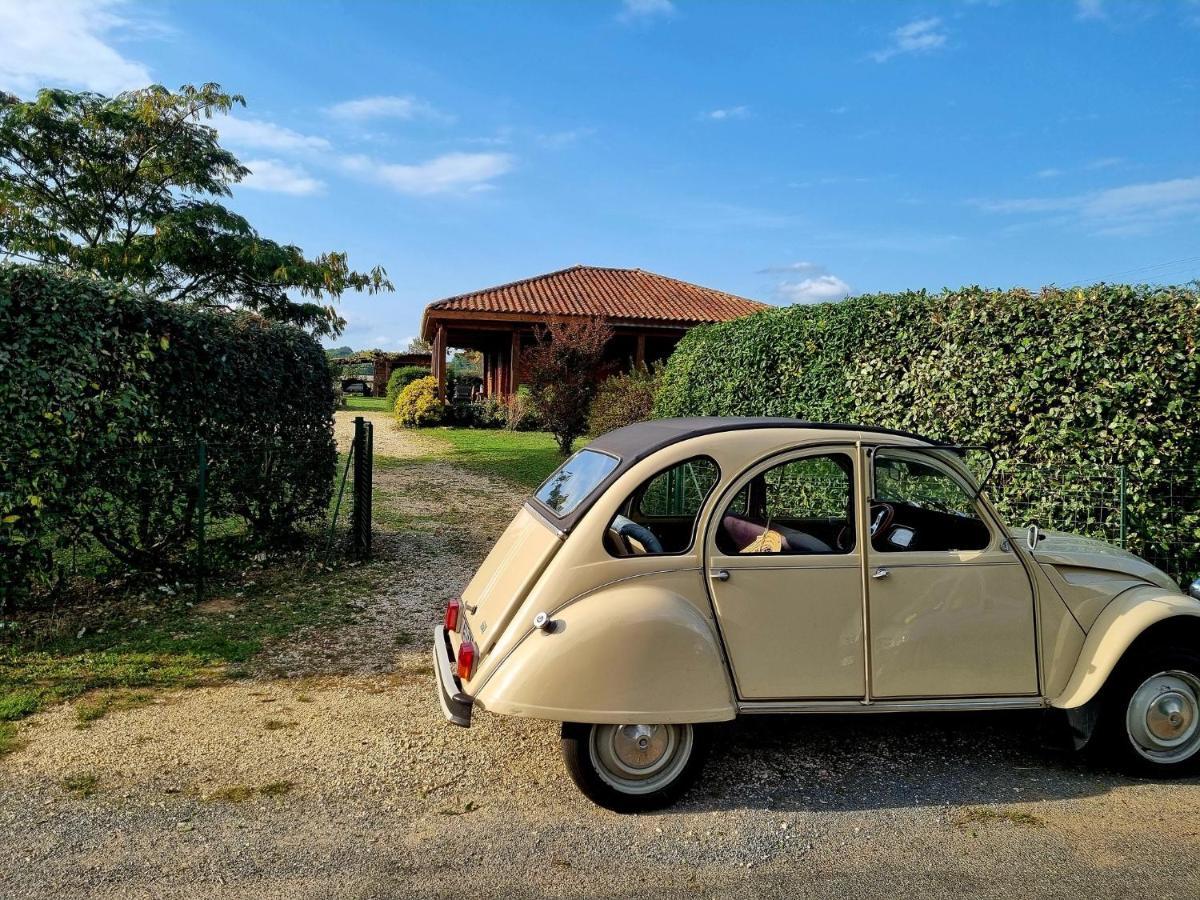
(1119, 624)
(626, 654)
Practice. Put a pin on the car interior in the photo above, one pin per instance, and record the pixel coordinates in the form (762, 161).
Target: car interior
(804, 506)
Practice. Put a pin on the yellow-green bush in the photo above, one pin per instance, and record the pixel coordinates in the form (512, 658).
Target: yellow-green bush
(418, 404)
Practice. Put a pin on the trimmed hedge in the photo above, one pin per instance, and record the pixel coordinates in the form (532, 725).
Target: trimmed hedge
(402, 378)
(104, 398)
(1069, 381)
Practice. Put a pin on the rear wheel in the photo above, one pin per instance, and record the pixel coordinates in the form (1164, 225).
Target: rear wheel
(1151, 717)
(632, 768)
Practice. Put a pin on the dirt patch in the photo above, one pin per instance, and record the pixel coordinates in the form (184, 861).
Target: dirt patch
(388, 440)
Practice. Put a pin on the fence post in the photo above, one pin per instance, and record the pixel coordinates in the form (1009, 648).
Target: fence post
(364, 440)
(201, 499)
(1123, 502)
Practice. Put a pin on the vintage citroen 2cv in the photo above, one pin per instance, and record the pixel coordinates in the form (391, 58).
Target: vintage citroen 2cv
(687, 571)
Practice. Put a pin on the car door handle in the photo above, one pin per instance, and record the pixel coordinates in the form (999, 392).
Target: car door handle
(719, 575)
(881, 573)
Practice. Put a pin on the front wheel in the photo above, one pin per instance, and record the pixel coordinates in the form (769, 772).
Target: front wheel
(632, 768)
(1152, 714)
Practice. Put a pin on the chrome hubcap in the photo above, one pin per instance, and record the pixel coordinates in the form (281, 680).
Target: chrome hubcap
(639, 759)
(1163, 719)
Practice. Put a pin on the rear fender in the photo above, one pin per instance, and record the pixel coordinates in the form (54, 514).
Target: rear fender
(1119, 624)
(629, 653)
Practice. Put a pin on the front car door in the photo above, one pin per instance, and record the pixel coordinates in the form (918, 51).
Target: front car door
(951, 608)
(786, 568)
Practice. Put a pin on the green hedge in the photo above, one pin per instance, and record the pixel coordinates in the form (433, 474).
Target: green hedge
(1064, 384)
(105, 397)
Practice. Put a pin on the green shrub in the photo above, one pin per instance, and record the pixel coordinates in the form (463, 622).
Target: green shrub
(104, 398)
(402, 378)
(418, 404)
(624, 399)
(1061, 383)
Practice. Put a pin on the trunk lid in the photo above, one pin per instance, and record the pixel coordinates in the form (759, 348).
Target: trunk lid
(507, 575)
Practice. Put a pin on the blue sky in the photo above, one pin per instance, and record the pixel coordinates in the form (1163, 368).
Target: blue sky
(786, 152)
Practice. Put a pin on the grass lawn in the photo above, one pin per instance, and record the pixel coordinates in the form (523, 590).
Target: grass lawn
(121, 654)
(523, 457)
(367, 404)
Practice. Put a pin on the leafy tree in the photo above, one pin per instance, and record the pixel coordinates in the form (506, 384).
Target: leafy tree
(419, 345)
(560, 371)
(127, 188)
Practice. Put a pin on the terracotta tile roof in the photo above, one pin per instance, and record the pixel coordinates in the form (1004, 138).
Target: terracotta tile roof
(610, 293)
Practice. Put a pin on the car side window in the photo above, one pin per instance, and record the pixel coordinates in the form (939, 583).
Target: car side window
(918, 506)
(660, 516)
(802, 506)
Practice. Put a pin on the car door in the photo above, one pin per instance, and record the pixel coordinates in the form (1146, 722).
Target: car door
(786, 575)
(951, 607)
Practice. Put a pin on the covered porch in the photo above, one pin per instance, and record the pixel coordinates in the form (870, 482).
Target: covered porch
(501, 342)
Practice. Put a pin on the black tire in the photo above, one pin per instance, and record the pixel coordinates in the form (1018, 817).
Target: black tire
(1162, 682)
(584, 761)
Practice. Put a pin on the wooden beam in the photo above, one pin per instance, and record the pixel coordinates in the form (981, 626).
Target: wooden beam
(640, 357)
(514, 362)
(439, 361)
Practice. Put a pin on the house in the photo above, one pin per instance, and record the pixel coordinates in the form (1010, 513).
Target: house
(648, 314)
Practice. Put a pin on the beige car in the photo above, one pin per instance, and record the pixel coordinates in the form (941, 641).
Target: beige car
(687, 571)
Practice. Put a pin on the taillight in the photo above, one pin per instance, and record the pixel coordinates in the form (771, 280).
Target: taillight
(466, 660)
(453, 609)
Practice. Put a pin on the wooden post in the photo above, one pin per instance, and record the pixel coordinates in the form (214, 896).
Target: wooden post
(439, 361)
(514, 362)
(640, 358)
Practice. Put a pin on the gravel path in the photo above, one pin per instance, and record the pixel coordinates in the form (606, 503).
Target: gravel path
(342, 780)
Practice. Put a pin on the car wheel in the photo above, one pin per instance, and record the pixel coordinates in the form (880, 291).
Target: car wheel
(632, 768)
(1151, 717)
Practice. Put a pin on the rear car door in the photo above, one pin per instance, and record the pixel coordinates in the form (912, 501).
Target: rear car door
(951, 608)
(785, 573)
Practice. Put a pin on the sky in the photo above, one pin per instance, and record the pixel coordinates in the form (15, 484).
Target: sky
(793, 153)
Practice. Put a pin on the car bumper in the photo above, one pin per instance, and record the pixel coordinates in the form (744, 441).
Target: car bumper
(456, 706)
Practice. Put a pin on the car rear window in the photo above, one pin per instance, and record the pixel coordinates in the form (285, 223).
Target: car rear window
(574, 480)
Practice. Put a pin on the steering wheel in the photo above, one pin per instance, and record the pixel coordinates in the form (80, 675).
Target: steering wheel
(626, 528)
(881, 515)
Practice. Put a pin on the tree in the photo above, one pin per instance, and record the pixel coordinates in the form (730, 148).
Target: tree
(126, 188)
(419, 345)
(560, 369)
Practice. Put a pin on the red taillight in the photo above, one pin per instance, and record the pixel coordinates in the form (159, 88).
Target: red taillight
(453, 609)
(466, 660)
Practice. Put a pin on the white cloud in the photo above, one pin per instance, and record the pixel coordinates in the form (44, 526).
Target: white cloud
(1049, 173)
(1133, 208)
(64, 44)
(641, 10)
(557, 140)
(446, 174)
(386, 107)
(1090, 9)
(732, 112)
(802, 266)
(266, 135)
(919, 36)
(1106, 162)
(817, 289)
(279, 177)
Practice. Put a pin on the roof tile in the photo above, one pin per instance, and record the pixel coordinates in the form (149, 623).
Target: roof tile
(608, 293)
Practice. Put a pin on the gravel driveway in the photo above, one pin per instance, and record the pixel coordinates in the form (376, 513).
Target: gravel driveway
(331, 774)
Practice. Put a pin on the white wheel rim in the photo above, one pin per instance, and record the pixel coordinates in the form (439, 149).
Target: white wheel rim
(639, 759)
(1163, 717)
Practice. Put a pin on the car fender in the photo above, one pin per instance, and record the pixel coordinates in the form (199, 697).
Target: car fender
(625, 654)
(1119, 624)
